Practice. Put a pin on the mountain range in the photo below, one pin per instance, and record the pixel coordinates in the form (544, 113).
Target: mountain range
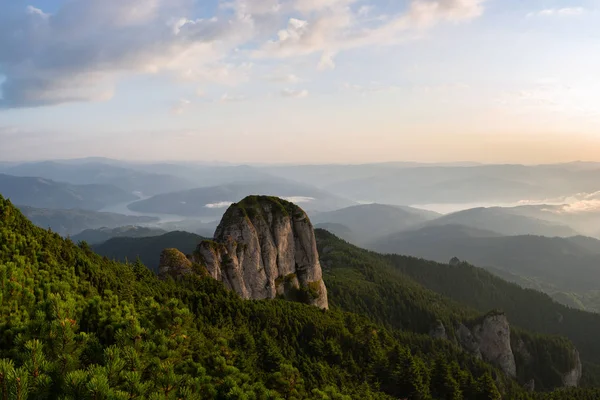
(212, 201)
(45, 193)
(363, 223)
(566, 268)
(95, 172)
(72, 222)
(380, 339)
(101, 235)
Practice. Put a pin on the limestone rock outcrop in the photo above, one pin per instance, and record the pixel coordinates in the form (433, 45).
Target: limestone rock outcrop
(572, 377)
(265, 248)
(174, 263)
(489, 339)
(438, 331)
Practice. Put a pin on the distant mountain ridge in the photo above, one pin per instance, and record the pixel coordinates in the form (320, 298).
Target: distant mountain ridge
(428, 184)
(148, 249)
(100, 172)
(366, 222)
(213, 201)
(72, 222)
(558, 266)
(101, 235)
(45, 193)
(505, 222)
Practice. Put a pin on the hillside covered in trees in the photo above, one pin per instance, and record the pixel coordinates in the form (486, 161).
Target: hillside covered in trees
(77, 326)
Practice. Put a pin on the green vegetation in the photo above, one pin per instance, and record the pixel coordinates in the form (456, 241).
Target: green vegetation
(74, 325)
(252, 206)
(148, 249)
(481, 291)
(97, 236)
(385, 289)
(564, 268)
(71, 222)
(44, 193)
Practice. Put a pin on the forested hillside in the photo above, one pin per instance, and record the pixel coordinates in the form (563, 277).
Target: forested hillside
(565, 268)
(44, 193)
(465, 284)
(76, 326)
(71, 222)
(371, 284)
(147, 249)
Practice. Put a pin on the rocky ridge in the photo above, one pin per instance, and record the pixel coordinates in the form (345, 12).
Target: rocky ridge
(489, 339)
(263, 248)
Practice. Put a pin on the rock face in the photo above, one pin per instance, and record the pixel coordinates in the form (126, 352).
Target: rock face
(572, 378)
(264, 248)
(174, 263)
(489, 339)
(438, 331)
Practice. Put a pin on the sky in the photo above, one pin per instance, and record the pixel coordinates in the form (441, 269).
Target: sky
(301, 81)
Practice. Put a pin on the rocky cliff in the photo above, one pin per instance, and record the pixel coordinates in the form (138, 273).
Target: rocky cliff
(489, 339)
(265, 248)
(174, 263)
(572, 377)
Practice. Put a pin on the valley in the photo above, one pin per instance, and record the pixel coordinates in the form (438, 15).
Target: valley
(463, 285)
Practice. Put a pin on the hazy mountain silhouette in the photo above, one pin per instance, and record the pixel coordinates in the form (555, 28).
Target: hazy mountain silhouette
(101, 235)
(71, 222)
(213, 201)
(45, 193)
(556, 265)
(369, 221)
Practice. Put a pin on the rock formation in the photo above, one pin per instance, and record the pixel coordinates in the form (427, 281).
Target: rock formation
(174, 263)
(489, 339)
(572, 378)
(264, 248)
(438, 331)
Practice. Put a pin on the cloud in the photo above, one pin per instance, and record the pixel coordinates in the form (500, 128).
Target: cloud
(567, 11)
(373, 87)
(181, 106)
(283, 78)
(579, 203)
(299, 199)
(233, 98)
(84, 48)
(295, 94)
(331, 26)
(220, 204)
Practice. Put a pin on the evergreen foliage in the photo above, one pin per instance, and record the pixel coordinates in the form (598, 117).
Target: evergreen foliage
(74, 325)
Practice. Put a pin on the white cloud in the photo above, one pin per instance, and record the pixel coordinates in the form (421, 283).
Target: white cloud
(373, 87)
(299, 199)
(327, 62)
(295, 94)
(567, 11)
(181, 106)
(332, 26)
(579, 203)
(283, 78)
(365, 10)
(220, 204)
(233, 98)
(80, 51)
(36, 11)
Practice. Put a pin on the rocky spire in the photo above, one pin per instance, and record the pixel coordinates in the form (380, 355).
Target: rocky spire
(265, 248)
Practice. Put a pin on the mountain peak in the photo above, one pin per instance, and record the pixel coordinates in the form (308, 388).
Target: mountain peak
(264, 248)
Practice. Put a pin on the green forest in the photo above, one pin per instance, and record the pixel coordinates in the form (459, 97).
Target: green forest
(74, 325)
